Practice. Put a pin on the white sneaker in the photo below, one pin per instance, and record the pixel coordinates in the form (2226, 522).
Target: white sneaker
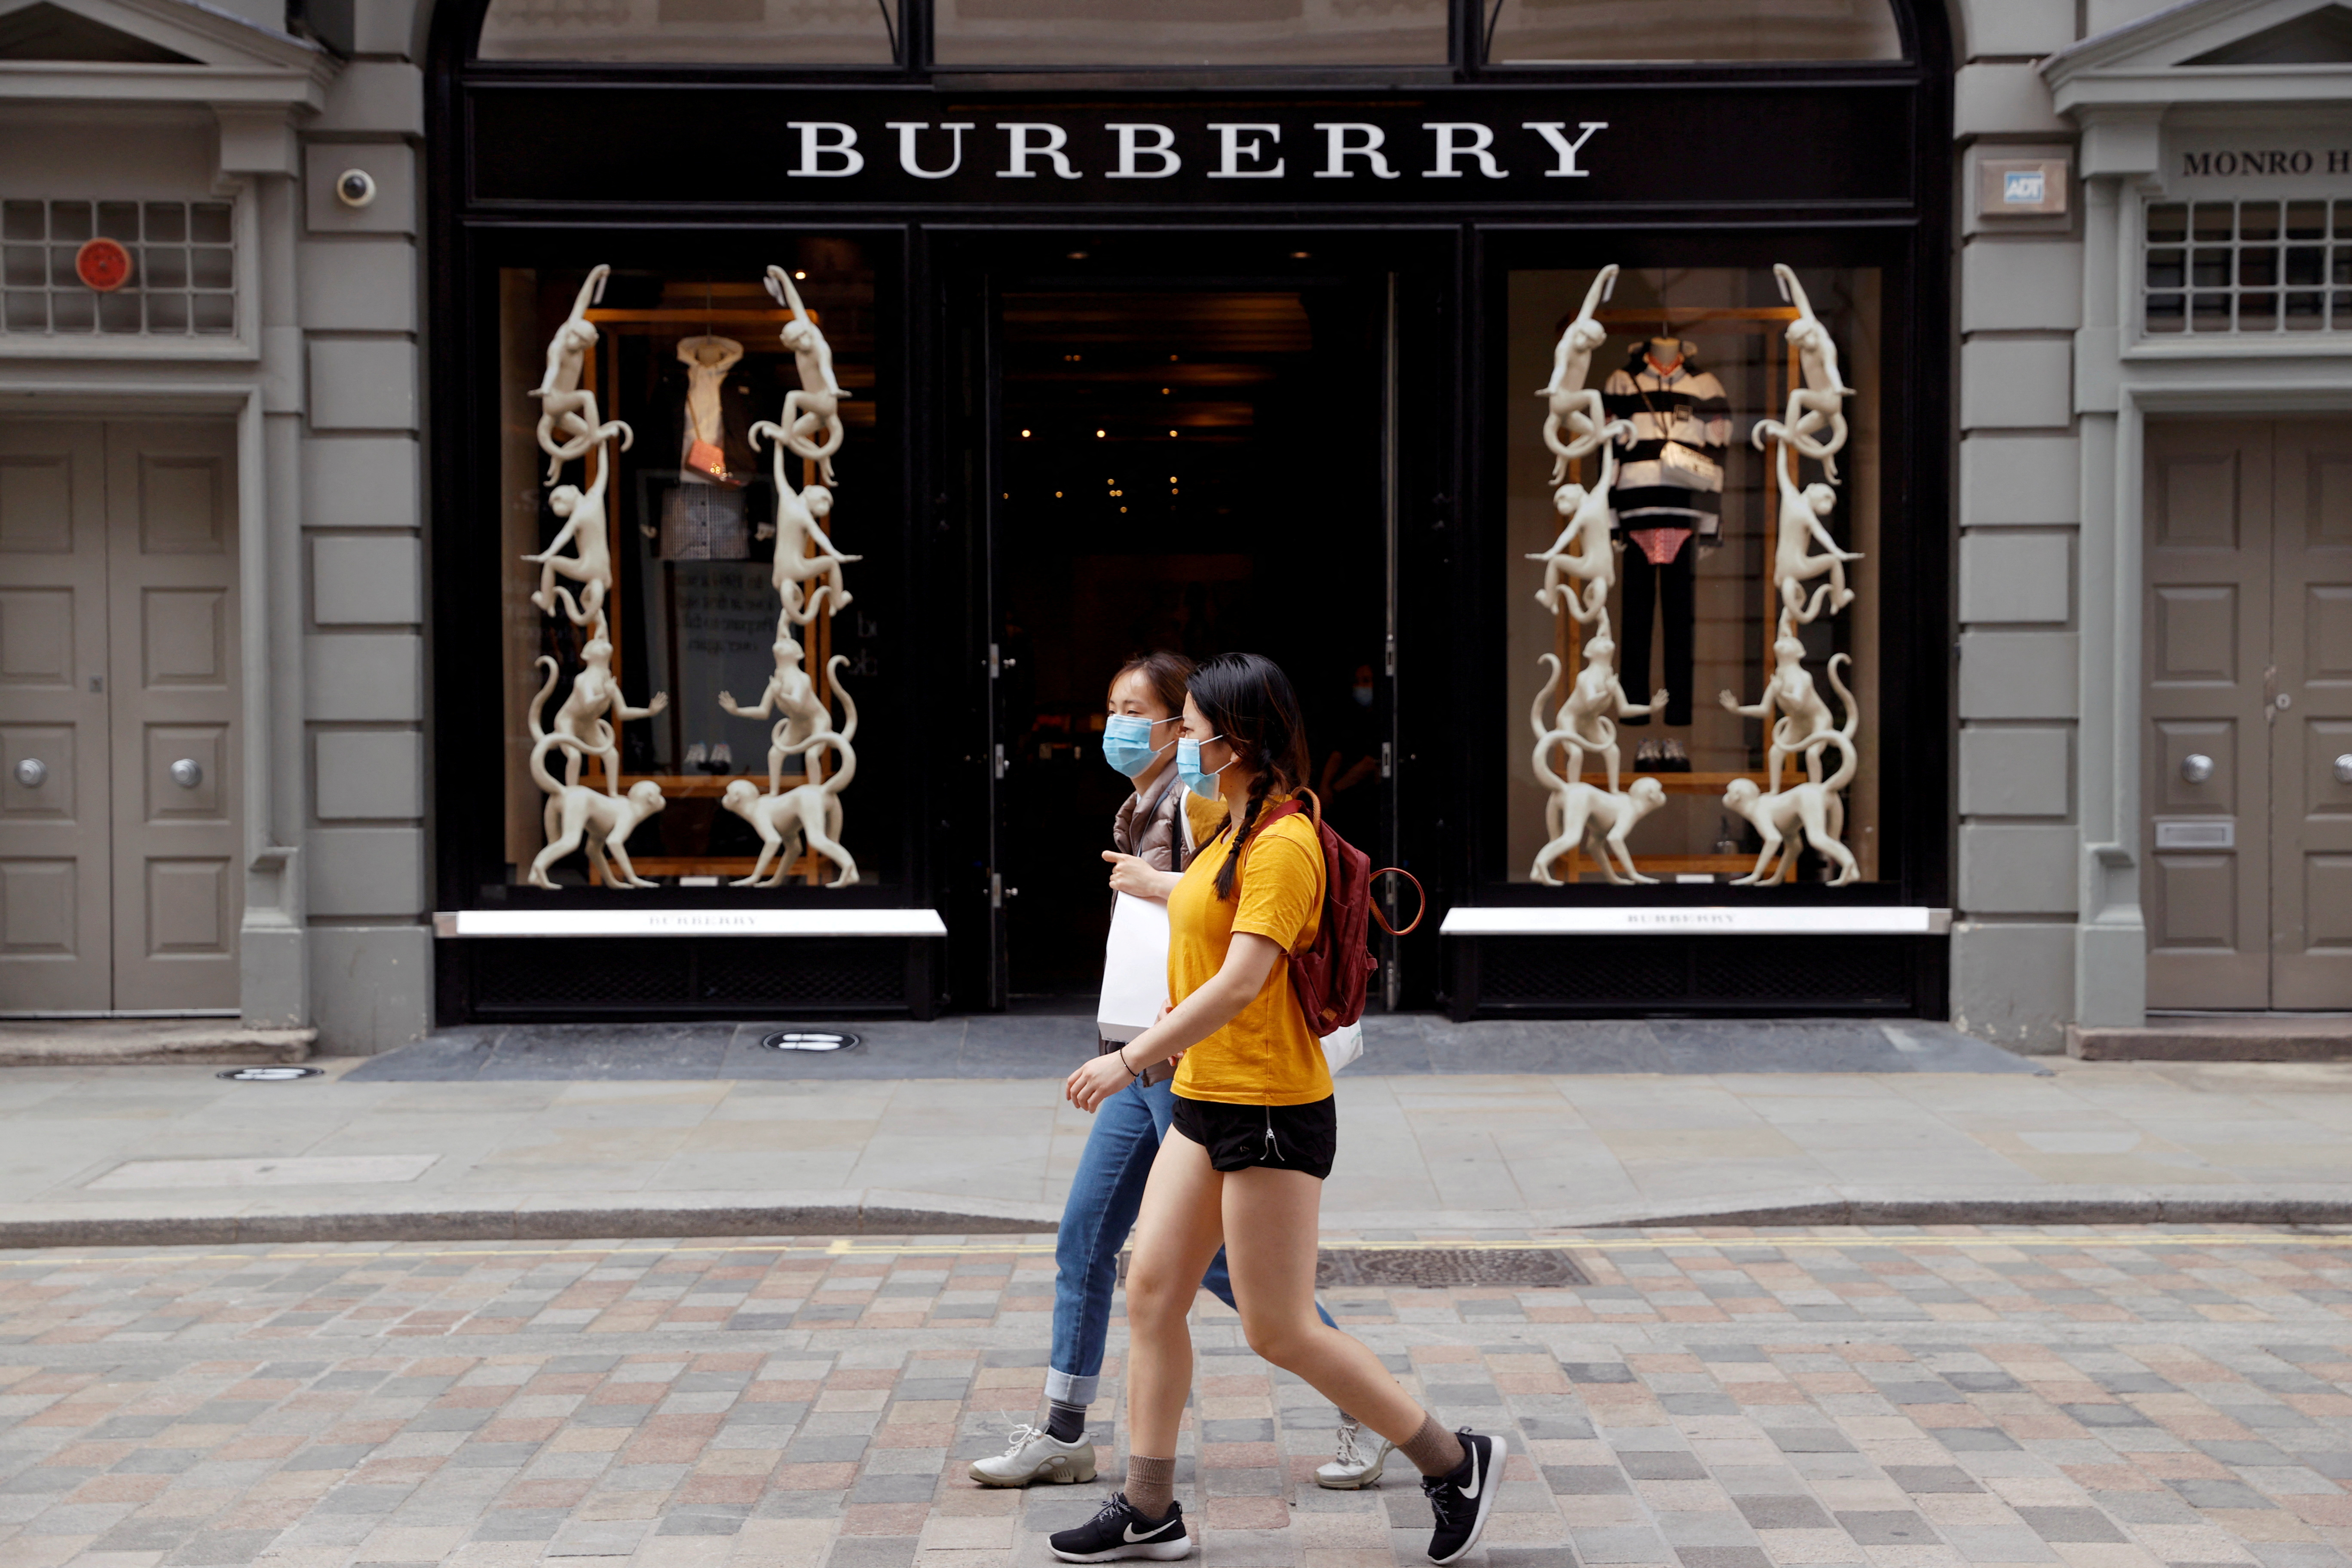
(1036, 1455)
(1355, 1466)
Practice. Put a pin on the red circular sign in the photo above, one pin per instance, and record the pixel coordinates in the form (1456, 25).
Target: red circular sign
(103, 264)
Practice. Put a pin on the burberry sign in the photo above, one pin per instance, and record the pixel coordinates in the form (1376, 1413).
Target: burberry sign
(1235, 150)
(913, 145)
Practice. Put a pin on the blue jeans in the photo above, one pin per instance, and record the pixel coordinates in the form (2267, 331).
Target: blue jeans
(1096, 1219)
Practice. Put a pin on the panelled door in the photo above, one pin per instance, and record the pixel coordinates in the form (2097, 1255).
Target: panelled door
(120, 886)
(2247, 758)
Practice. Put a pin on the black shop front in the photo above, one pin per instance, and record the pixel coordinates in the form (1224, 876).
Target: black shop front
(824, 403)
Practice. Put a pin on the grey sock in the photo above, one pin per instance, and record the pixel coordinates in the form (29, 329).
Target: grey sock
(1433, 1450)
(1065, 1423)
(1151, 1485)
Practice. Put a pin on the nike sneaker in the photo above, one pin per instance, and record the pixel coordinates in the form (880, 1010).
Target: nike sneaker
(1356, 1460)
(1036, 1455)
(1117, 1531)
(1459, 1503)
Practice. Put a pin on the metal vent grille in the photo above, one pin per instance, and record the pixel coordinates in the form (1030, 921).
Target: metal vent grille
(721, 977)
(1441, 1267)
(183, 274)
(1834, 971)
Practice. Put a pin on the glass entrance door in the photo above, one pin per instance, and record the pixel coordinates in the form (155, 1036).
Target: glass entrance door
(1183, 465)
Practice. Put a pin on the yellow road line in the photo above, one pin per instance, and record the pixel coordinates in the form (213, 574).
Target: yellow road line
(844, 1247)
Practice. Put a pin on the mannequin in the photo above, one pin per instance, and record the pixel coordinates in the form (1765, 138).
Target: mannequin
(1587, 719)
(568, 426)
(1793, 563)
(1570, 401)
(800, 521)
(1816, 804)
(1584, 552)
(791, 693)
(1804, 725)
(1578, 808)
(707, 359)
(816, 406)
(811, 810)
(590, 563)
(1667, 495)
(1821, 401)
(581, 727)
(703, 515)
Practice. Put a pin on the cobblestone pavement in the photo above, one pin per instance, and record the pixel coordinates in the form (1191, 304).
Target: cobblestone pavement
(2097, 1398)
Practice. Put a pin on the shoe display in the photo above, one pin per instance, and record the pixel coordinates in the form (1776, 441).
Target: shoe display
(722, 758)
(696, 755)
(1672, 758)
(1460, 1502)
(1357, 1460)
(1645, 757)
(1036, 1455)
(1117, 1531)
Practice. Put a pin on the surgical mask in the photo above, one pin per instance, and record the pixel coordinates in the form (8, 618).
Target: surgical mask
(1127, 744)
(1188, 767)
(1363, 697)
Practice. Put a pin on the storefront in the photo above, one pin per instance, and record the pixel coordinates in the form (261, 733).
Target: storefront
(1233, 355)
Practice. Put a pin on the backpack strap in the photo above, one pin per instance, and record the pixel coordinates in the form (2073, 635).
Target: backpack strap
(1418, 915)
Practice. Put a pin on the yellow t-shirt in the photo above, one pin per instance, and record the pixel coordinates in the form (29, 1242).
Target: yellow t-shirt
(1265, 1055)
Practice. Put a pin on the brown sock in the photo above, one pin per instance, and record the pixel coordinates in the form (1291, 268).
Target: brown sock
(1151, 1485)
(1433, 1450)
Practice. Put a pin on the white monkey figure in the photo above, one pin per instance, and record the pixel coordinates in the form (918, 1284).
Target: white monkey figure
(1804, 725)
(1584, 551)
(591, 563)
(1578, 808)
(568, 426)
(1821, 402)
(791, 693)
(816, 406)
(800, 521)
(1587, 721)
(575, 812)
(1570, 401)
(581, 727)
(811, 810)
(1816, 804)
(1793, 563)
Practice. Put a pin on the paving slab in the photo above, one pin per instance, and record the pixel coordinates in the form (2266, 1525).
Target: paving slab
(169, 1153)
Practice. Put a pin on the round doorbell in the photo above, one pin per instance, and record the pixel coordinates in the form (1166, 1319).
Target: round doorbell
(355, 188)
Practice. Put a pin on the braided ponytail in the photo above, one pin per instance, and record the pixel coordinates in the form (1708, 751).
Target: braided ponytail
(1227, 873)
(1248, 699)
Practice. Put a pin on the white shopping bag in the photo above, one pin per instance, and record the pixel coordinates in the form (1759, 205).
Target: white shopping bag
(1343, 1045)
(1135, 968)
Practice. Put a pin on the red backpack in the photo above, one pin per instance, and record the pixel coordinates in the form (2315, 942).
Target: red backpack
(1331, 974)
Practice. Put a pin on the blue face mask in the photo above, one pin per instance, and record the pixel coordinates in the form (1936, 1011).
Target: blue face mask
(1188, 768)
(1127, 744)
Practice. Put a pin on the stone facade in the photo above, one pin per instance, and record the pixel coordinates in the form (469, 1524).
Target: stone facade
(325, 379)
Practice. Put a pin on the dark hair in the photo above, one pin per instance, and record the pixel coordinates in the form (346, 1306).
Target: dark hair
(1248, 700)
(1166, 673)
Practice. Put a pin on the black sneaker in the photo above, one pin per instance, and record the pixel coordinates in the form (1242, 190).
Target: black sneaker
(1119, 1531)
(1460, 1502)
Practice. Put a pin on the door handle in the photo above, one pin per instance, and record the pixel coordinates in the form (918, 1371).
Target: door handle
(32, 773)
(2343, 769)
(2196, 767)
(187, 773)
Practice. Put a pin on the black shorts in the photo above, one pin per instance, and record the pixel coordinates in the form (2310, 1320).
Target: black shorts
(1278, 1137)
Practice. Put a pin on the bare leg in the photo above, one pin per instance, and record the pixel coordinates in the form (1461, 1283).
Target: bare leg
(1177, 1232)
(1270, 1230)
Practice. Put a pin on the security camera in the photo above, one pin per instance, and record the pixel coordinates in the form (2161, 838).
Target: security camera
(355, 188)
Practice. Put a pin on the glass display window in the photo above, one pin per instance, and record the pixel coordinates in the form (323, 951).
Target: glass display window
(1704, 603)
(693, 32)
(1178, 33)
(1563, 32)
(672, 655)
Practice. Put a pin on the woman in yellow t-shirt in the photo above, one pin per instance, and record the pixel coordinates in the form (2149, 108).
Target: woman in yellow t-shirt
(1257, 1128)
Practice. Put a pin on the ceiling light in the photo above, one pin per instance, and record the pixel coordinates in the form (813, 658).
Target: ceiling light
(801, 277)
(1077, 256)
(1172, 434)
(1298, 255)
(1098, 435)
(1024, 435)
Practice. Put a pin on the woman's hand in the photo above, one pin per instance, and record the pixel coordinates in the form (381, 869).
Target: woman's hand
(1132, 874)
(1098, 1080)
